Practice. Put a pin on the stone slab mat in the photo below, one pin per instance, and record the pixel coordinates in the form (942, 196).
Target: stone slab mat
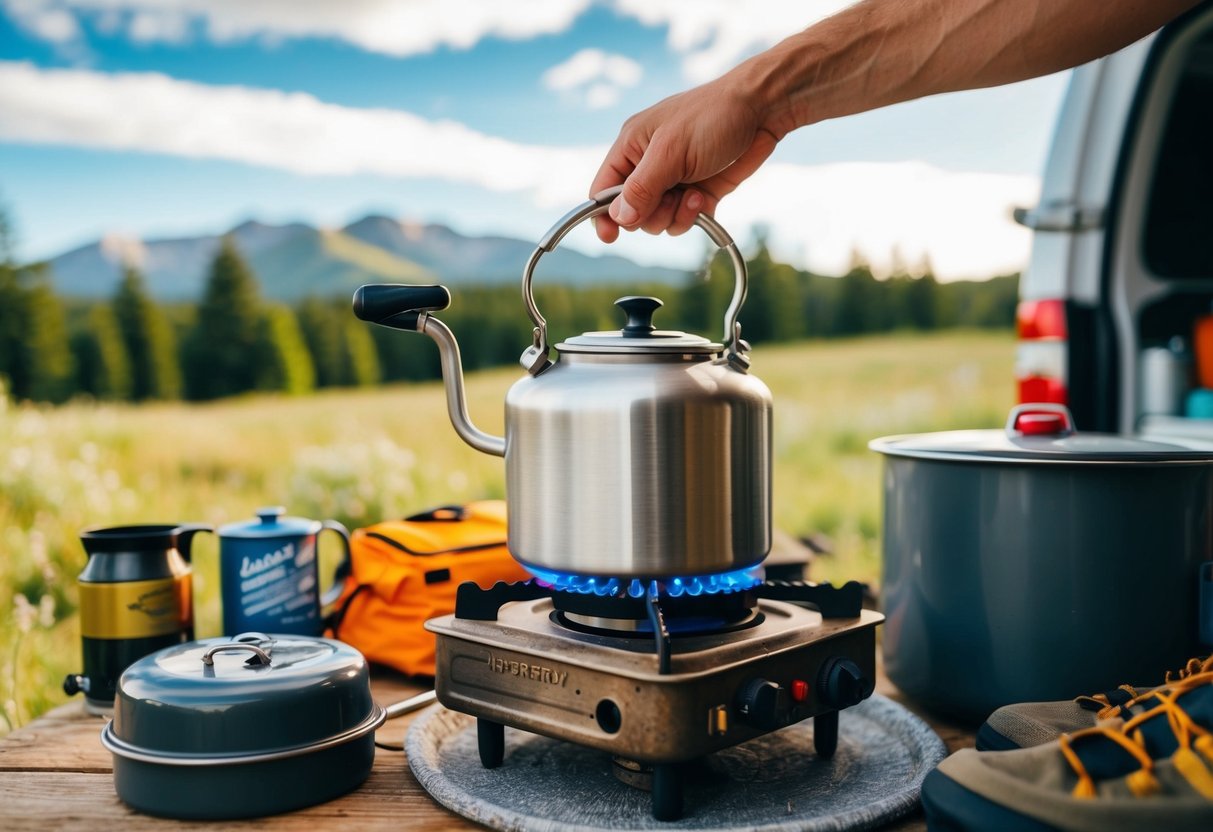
(774, 782)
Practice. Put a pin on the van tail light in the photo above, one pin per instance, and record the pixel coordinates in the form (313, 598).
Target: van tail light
(1040, 360)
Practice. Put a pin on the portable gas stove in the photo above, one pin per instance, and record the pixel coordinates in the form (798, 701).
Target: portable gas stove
(656, 673)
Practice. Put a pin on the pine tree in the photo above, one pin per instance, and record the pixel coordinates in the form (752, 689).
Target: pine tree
(858, 300)
(221, 349)
(283, 363)
(921, 302)
(11, 326)
(359, 359)
(323, 330)
(46, 356)
(12, 303)
(103, 367)
(149, 340)
(772, 310)
(706, 296)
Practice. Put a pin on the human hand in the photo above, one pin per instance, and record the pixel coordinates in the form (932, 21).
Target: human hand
(706, 140)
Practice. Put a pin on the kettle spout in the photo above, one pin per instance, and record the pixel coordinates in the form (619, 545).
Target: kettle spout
(409, 308)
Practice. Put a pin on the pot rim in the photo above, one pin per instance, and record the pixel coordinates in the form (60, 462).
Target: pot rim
(122, 748)
(887, 445)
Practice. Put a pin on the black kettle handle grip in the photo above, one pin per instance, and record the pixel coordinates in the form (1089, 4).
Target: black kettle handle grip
(183, 536)
(398, 306)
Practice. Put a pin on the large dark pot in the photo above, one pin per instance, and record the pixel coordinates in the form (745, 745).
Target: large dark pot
(238, 728)
(1037, 563)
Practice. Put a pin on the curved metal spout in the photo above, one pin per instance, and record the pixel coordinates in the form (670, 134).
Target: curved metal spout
(452, 380)
(409, 308)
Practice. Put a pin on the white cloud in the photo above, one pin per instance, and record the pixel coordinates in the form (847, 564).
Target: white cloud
(43, 20)
(391, 27)
(816, 214)
(601, 96)
(710, 35)
(593, 65)
(289, 131)
(713, 35)
(599, 77)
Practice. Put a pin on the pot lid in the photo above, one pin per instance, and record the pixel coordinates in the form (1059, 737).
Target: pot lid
(638, 335)
(1039, 433)
(251, 694)
(271, 522)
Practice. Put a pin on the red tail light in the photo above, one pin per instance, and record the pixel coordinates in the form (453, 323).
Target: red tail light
(1040, 361)
(1039, 319)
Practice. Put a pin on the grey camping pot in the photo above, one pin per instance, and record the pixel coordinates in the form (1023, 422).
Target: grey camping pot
(1038, 563)
(242, 727)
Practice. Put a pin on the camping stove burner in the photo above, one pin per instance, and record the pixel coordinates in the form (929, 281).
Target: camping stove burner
(736, 580)
(511, 655)
(643, 616)
(677, 604)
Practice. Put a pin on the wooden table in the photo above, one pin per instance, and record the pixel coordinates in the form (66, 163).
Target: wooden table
(54, 774)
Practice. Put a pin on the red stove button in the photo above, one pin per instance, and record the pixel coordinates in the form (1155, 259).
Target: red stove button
(800, 690)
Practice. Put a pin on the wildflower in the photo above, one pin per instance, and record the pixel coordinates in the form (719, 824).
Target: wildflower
(46, 611)
(24, 613)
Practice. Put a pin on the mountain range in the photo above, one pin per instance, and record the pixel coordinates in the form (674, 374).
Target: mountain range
(295, 260)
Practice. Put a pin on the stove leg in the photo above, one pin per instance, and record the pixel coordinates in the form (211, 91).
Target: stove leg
(490, 739)
(825, 734)
(667, 791)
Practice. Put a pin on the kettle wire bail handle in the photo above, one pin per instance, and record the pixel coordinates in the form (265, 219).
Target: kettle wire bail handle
(536, 357)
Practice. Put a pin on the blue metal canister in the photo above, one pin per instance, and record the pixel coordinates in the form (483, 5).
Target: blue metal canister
(270, 575)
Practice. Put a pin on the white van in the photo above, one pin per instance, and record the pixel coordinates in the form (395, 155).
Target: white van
(1122, 251)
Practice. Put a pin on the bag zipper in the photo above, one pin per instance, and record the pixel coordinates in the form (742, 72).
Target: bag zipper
(396, 544)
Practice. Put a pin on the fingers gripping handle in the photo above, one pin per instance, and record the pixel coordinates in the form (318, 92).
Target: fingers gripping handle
(399, 306)
(535, 358)
(599, 203)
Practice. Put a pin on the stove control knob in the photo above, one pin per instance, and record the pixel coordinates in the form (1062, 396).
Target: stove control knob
(765, 705)
(841, 684)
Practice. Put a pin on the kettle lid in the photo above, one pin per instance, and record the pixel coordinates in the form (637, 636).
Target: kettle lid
(638, 335)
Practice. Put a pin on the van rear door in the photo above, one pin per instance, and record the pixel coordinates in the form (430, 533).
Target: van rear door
(1158, 275)
(1066, 350)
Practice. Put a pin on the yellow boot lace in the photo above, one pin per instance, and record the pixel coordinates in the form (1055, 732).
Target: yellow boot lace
(1192, 759)
(1109, 709)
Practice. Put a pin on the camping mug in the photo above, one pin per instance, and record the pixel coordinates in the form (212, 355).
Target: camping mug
(135, 598)
(270, 576)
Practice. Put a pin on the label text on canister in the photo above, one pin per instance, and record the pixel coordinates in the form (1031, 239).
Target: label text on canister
(135, 609)
(272, 590)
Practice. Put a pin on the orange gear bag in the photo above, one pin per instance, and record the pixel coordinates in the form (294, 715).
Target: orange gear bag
(404, 572)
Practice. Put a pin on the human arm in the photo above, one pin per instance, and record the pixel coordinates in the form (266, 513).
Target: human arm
(681, 156)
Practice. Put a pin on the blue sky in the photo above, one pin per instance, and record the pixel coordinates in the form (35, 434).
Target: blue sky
(154, 118)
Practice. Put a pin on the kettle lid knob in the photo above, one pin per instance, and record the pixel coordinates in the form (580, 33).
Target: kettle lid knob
(270, 514)
(639, 310)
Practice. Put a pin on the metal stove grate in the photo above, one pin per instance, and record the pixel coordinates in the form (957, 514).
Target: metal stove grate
(474, 603)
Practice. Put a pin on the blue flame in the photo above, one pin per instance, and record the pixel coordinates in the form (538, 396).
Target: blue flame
(722, 582)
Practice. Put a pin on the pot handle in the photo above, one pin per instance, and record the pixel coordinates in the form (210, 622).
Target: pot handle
(535, 359)
(330, 596)
(259, 656)
(1040, 419)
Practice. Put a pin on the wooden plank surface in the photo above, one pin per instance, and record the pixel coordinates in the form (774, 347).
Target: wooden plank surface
(54, 774)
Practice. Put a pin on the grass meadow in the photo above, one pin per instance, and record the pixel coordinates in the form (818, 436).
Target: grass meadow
(364, 455)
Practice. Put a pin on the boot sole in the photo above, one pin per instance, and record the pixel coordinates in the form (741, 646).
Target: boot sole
(950, 807)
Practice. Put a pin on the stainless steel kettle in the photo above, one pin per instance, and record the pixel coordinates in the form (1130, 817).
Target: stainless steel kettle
(639, 453)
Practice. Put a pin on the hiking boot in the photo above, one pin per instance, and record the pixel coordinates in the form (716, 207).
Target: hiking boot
(1152, 771)
(1035, 723)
